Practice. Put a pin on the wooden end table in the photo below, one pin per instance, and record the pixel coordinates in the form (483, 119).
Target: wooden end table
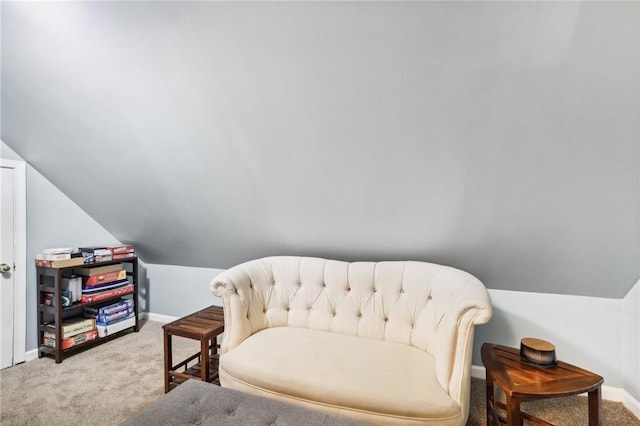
(524, 382)
(205, 326)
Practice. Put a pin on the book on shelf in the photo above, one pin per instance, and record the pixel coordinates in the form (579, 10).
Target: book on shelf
(64, 263)
(107, 253)
(58, 250)
(124, 248)
(120, 256)
(121, 249)
(71, 341)
(94, 250)
(97, 258)
(89, 272)
(71, 327)
(105, 330)
(61, 256)
(104, 278)
(107, 294)
(90, 258)
(110, 257)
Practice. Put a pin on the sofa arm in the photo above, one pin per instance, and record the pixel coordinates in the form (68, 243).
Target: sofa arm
(466, 303)
(242, 315)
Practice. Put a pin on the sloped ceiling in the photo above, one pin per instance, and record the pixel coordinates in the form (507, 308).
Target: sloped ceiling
(497, 137)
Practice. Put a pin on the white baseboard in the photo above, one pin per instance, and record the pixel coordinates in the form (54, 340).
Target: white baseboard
(157, 317)
(478, 372)
(31, 355)
(609, 393)
(620, 395)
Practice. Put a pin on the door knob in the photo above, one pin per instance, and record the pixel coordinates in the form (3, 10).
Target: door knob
(4, 268)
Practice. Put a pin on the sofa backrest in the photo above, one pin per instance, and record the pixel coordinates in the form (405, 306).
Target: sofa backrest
(402, 302)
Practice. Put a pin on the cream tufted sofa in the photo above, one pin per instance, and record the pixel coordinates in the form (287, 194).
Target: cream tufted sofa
(383, 343)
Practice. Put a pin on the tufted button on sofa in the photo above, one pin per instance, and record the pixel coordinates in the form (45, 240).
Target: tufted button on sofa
(379, 342)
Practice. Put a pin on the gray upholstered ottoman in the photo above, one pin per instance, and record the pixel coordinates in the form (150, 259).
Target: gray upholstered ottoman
(199, 403)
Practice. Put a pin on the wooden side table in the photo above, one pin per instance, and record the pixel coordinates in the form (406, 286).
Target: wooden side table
(524, 382)
(205, 326)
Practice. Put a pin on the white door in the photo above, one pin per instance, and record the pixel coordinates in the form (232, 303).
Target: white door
(13, 262)
(7, 284)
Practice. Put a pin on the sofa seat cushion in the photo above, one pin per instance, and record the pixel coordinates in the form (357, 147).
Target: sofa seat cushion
(342, 371)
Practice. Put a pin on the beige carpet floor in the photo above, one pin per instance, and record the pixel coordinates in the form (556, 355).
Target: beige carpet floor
(106, 384)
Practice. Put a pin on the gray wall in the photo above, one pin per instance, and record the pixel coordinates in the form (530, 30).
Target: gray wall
(599, 334)
(176, 291)
(498, 137)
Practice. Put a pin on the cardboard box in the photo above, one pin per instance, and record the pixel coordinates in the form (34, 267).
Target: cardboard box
(109, 329)
(69, 342)
(71, 327)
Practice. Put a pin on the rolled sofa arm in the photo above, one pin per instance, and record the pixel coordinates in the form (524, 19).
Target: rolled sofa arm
(466, 303)
(242, 315)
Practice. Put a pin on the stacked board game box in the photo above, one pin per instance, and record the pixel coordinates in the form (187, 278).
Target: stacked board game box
(69, 342)
(71, 327)
(73, 332)
(104, 282)
(110, 312)
(59, 260)
(65, 257)
(113, 317)
(107, 253)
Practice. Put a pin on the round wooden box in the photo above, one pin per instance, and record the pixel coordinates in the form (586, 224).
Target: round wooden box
(538, 352)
